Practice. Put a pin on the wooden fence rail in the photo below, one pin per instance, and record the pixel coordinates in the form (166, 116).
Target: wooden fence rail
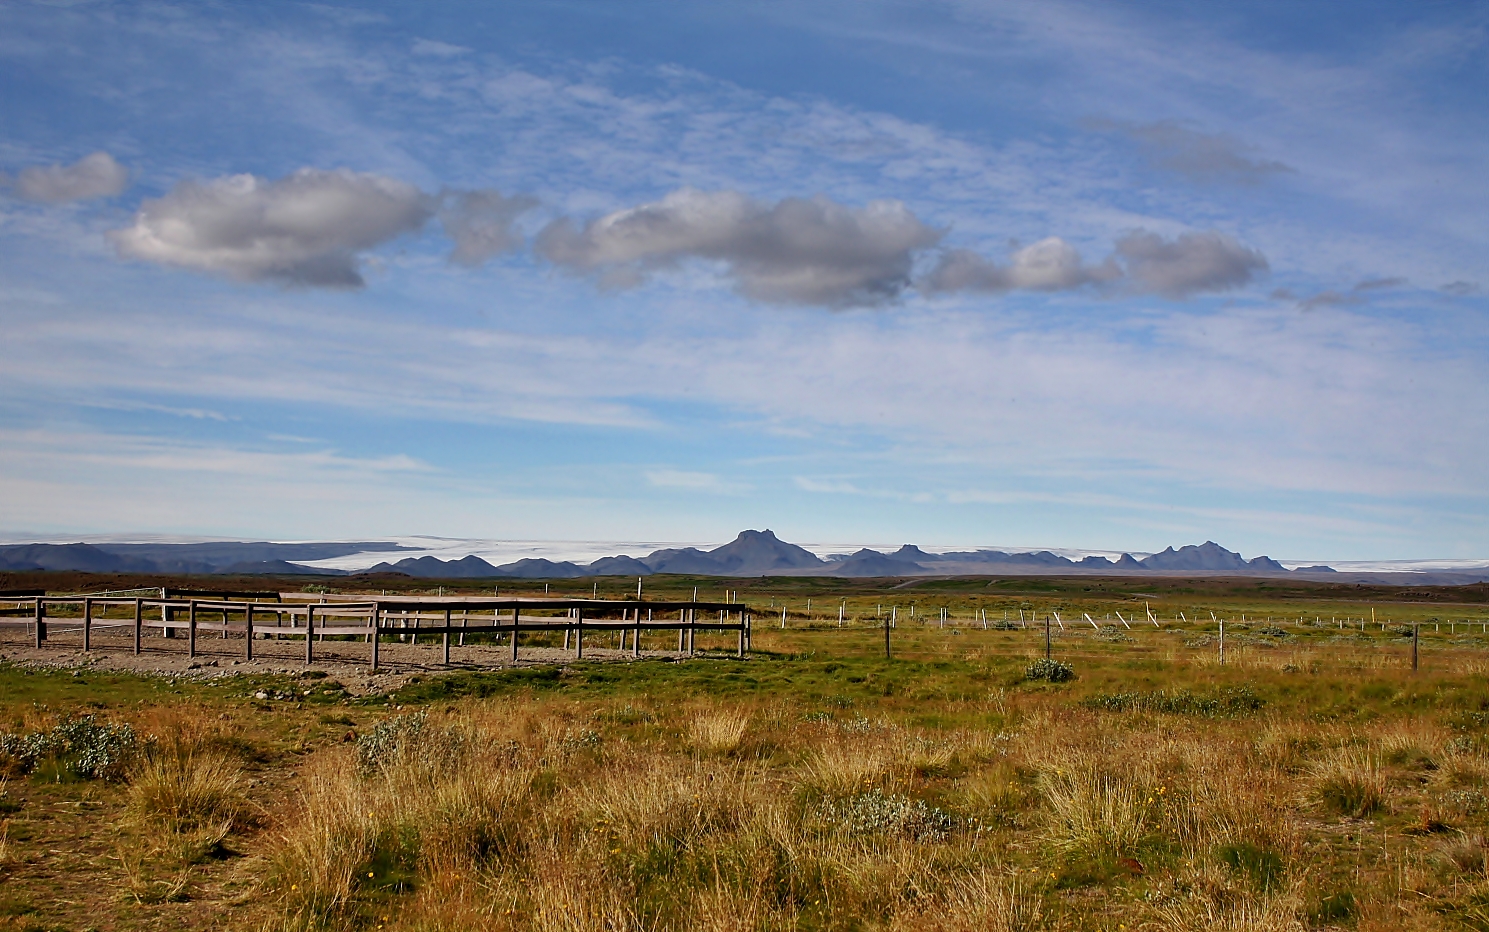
(378, 618)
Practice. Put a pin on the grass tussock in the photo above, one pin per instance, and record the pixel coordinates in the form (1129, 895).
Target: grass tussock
(183, 787)
(718, 731)
(1348, 782)
(1094, 813)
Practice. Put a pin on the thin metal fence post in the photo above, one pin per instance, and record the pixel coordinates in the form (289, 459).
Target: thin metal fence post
(310, 634)
(248, 632)
(87, 624)
(139, 622)
(41, 620)
(191, 629)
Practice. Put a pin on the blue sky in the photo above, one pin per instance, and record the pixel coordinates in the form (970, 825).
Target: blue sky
(1105, 275)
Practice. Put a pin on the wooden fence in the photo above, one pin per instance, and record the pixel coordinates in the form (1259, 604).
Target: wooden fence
(374, 619)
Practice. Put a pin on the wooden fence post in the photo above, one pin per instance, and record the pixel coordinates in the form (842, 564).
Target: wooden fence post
(139, 623)
(191, 629)
(248, 632)
(87, 624)
(377, 610)
(579, 634)
(310, 634)
(516, 621)
(41, 620)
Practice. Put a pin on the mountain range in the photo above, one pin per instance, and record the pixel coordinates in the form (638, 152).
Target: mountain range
(752, 553)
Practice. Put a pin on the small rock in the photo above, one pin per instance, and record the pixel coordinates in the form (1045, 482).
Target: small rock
(261, 695)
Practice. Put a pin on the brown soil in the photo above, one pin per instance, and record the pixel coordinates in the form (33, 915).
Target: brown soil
(346, 662)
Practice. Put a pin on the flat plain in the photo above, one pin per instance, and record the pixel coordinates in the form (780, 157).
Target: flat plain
(1312, 780)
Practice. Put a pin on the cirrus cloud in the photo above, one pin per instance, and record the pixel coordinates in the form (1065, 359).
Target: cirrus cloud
(309, 228)
(796, 251)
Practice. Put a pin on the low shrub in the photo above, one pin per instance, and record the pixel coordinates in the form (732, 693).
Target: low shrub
(78, 746)
(1052, 671)
(389, 738)
(1226, 702)
(880, 813)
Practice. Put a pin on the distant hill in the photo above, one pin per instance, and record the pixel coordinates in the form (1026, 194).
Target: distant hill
(238, 557)
(276, 568)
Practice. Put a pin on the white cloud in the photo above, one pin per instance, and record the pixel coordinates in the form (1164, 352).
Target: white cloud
(1199, 156)
(438, 49)
(1188, 264)
(1179, 268)
(694, 482)
(796, 251)
(1049, 265)
(481, 223)
(92, 176)
(309, 228)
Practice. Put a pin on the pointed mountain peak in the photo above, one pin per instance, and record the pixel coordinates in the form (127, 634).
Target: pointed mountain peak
(755, 553)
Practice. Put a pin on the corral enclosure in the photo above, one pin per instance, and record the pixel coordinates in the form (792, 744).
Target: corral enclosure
(1311, 780)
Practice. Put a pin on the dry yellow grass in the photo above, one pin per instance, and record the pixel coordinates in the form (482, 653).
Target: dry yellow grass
(507, 816)
(718, 731)
(938, 792)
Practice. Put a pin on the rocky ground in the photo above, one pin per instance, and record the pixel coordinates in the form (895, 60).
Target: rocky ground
(346, 662)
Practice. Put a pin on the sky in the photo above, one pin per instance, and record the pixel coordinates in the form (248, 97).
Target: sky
(1111, 275)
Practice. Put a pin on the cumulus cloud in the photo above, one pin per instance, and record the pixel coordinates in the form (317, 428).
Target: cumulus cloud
(309, 228)
(1208, 157)
(481, 223)
(1049, 265)
(796, 251)
(96, 175)
(1188, 264)
(1143, 262)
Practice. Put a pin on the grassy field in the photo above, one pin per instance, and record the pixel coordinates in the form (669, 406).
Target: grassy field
(1312, 781)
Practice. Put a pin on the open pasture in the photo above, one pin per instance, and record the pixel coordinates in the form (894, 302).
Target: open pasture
(1312, 780)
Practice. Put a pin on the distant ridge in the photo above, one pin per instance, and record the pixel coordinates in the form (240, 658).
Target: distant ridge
(751, 553)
